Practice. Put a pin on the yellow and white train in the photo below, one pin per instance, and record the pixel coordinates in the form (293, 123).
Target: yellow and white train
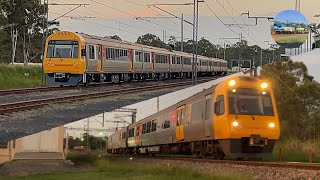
(237, 118)
(73, 58)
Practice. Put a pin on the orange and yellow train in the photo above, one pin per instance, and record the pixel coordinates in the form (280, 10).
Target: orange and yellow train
(236, 118)
(73, 58)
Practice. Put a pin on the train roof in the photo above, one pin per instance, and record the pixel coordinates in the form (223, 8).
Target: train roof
(93, 38)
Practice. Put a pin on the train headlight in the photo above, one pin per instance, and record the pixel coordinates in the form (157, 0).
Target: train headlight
(235, 123)
(264, 85)
(272, 125)
(232, 82)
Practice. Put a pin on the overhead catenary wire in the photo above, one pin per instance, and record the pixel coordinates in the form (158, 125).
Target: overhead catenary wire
(117, 21)
(124, 12)
(236, 21)
(91, 22)
(243, 20)
(215, 14)
(154, 10)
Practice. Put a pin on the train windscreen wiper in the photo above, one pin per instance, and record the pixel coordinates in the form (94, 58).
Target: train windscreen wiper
(59, 55)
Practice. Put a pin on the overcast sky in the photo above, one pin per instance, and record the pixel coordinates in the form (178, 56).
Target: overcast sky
(100, 19)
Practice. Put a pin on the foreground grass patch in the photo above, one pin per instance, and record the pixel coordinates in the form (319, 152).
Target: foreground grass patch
(123, 169)
(295, 150)
(19, 76)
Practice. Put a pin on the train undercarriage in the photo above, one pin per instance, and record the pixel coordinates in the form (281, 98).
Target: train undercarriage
(68, 79)
(218, 149)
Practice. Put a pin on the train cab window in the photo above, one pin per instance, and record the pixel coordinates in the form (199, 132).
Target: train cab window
(92, 52)
(75, 51)
(219, 105)
(147, 57)
(62, 49)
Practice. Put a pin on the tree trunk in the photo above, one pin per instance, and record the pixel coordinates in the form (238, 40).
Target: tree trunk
(25, 61)
(14, 38)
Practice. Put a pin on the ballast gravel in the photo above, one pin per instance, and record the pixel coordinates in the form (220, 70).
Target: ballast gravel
(254, 172)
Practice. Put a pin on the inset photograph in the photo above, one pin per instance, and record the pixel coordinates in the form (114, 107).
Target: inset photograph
(290, 29)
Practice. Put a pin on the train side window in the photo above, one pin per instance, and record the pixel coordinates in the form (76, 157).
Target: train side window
(148, 127)
(154, 126)
(92, 53)
(138, 56)
(208, 108)
(173, 61)
(147, 57)
(137, 130)
(144, 128)
(166, 125)
(219, 105)
(178, 117)
(182, 115)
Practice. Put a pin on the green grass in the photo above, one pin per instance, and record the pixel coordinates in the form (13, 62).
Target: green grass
(12, 77)
(295, 150)
(123, 169)
(291, 40)
(293, 157)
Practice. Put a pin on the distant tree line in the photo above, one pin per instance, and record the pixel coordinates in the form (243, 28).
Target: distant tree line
(95, 143)
(21, 26)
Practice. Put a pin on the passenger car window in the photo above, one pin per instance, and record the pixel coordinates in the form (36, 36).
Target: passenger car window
(92, 53)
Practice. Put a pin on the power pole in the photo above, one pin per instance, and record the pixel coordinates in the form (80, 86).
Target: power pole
(261, 58)
(224, 50)
(181, 32)
(195, 41)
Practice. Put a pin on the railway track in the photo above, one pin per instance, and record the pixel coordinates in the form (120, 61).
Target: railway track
(32, 90)
(48, 89)
(296, 165)
(9, 108)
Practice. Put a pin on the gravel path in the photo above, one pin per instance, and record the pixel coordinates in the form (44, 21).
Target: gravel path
(255, 172)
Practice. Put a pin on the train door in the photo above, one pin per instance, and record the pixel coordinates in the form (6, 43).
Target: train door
(153, 61)
(180, 123)
(138, 132)
(208, 116)
(169, 61)
(130, 56)
(99, 67)
(92, 60)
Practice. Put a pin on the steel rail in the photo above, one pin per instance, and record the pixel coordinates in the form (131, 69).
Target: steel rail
(57, 88)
